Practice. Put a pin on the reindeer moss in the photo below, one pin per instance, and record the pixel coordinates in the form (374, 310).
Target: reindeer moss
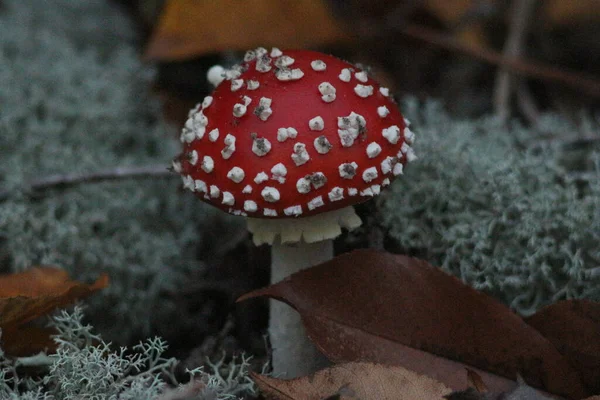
(503, 207)
(74, 98)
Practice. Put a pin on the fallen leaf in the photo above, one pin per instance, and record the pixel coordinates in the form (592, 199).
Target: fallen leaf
(30, 294)
(365, 381)
(190, 28)
(374, 306)
(573, 326)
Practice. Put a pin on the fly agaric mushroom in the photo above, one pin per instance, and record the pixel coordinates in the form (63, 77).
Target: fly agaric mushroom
(291, 140)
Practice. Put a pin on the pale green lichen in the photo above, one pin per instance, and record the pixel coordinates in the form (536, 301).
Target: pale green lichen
(74, 98)
(499, 206)
(85, 367)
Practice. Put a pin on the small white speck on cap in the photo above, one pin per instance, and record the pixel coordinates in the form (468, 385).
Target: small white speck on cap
(261, 177)
(398, 168)
(199, 132)
(383, 111)
(187, 135)
(406, 122)
(207, 102)
(376, 189)
(318, 65)
(363, 91)
(176, 166)
(228, 199)
(263, 63)
(348, 170)
(260, 146)
(347, 137)
(270, 194)
(315, 203)
(233, 72)
(263, 110)
(193, 157)
(284, 61)
(213, 135)
(200, 186)
(369, 174)
(275, 52)
(350, 126)
(316, 124)
(367, 192)
(385, 182)
(336, 194)
(322, 145)
(300, 155)
(269, 212)
(229, 146)
(284, 133)
(317, 179)
(352, 191)
(236, 174)
(215, 75)
(404, 148)
(252, 84)
(250, 206)
(361, 76)
(236, 84)
(409, 135)
(392, 134)
(279, 172)
(200, 119)
(247, 189)
(373, 149)
(188, 182)
(239, 110)
(250, 55)
(345, 75)
(247, 100)
(285, 74)
(303, 185)
(327, 91)
(387, 165)
(384, 91)
(214, 191)
(208, 164)
(293, 211)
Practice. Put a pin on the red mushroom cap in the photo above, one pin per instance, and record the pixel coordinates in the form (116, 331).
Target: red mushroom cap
(293, 134)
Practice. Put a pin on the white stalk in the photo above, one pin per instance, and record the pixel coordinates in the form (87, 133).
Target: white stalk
(298, 243)
(294, 354)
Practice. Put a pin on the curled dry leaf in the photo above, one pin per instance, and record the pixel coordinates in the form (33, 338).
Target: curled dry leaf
(365, 381)
(374, 306)
(191, 28)
(573, 326)
(31, 294)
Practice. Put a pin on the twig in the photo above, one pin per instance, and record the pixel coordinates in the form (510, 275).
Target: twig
(60, 181)
(521, 13)
(584, 84)
(527, 103)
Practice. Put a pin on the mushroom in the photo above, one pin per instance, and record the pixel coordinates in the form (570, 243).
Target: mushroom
(291, 140)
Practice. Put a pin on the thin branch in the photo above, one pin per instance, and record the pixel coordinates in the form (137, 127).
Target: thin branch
(61, 181)
(583, 83)
(527, 103)
(521, 16)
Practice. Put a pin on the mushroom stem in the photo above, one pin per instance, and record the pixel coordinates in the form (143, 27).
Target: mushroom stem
(294, 354)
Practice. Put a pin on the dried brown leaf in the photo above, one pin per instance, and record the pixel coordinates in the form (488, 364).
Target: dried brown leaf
(375, 306)
(31, 294)
(365, 381)
(190, 28)
(573, 326)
